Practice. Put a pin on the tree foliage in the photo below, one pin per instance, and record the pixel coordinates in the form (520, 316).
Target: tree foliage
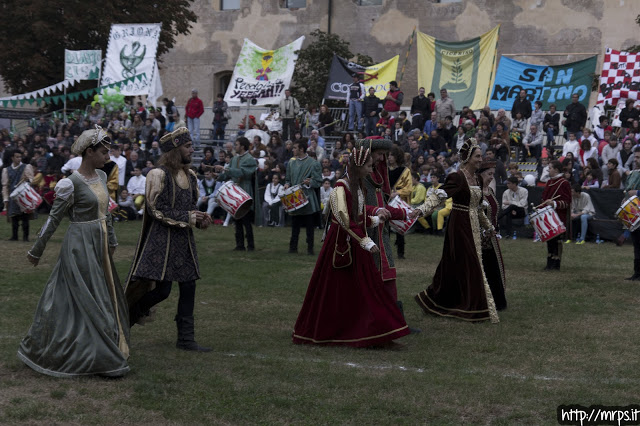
(314, 61)
(35, 33)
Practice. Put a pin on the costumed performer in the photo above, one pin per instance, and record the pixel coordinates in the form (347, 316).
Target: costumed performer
(81, 324)
(631, 189)
(491, 254)
(460, 288)
(13, 175)
(401, 186)
(346, 303)
(557, 194)
(166, 248)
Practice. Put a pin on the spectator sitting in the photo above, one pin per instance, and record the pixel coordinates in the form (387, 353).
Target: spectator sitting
(386, 121)
(514, 203)
(581, 212)
(325, 192)
(328, 174)
(126, 207)
(586, 134)
(586, 152)
(207, 161)
(436, 145)
(614, 181)
(532, 143)
(435, 222)
(602, 127)
(571, 145)
(610, 151)
(148, 167)
(207, 188)
(145, 131)
(136, 187)
(543, 176)
(590, 181)
(315, 136)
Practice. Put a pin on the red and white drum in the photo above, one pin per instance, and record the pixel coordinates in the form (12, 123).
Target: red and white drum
(547, 223)
(234, 200)
(629, 213)
(294, 198)
(112, 204)
(401, 226)
(26, 197)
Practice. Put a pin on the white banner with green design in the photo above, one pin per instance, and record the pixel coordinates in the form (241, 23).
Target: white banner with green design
(82, 64)
(262, 74)
(132, 51)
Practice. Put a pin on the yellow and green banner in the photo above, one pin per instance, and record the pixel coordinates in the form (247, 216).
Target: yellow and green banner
(465, 68)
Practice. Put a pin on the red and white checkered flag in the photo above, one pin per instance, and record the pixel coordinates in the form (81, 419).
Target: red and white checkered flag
(620, 77)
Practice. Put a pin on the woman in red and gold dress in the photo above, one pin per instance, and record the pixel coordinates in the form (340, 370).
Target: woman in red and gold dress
(346, 303)
(460, 288)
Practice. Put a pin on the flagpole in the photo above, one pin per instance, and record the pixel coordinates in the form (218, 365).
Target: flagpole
(406, 58)
(64, 106)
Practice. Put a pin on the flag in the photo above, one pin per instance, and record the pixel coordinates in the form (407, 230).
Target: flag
(620, 77)
(464, 68)
(132, 51)
(377, 76)
(82, 64)
(549, 84)
(262, 74)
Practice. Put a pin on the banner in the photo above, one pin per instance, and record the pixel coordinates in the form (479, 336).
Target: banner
(465, 68)
(377, 76)
(132, 51)
(549, 84)
(82, 64)
(262, 74)
(620, 77)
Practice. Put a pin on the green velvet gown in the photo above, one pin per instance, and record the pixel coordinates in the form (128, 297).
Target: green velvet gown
(81, 324)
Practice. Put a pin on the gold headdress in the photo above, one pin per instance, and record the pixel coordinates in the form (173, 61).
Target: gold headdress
(91, 138)
(172, 140)
(360, 153)
(467, 149)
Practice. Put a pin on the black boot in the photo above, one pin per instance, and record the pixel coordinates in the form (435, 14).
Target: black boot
(25, 230)
(186, 340)
(15, 224)
(556, 264)
(549, 264)
(636, 271)
(401, 307)
(400, 244)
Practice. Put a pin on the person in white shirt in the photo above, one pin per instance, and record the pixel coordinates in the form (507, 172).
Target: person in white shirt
(532, 143)
(136, 188)
(272, 210)
(582, 211)
(514, 203)
(586, 134)
(571, 145)
(325, 192)
(208, 187)
(72, 165)
(121, 162)
(586, 151)
(544, 173)
(608, 152)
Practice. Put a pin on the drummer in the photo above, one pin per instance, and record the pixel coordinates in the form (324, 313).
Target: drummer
(241, 171)
(304, 171)
(557, 194)
(633, 189)
(12, 176)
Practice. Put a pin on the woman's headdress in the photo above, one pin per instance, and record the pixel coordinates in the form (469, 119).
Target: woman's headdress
(467, 148)
(91, 138)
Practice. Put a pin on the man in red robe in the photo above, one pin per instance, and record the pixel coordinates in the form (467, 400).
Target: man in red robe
(557, 194)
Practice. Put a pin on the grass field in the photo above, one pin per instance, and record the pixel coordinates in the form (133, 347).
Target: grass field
(567, 338)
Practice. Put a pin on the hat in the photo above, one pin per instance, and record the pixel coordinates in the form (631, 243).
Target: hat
(487, 164)
(194, 90)
(468, 122)
(374, 144)
(467, 148)
(172, 140)
(91, 138)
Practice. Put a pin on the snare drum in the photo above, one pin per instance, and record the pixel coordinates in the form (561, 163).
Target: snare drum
(547, 223)
(234, 200)
(26, 197)
(629, 213)
(294, 198)
(401, 226)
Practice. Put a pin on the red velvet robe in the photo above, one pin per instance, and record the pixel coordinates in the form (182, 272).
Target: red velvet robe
(561, 188)
(345, 302)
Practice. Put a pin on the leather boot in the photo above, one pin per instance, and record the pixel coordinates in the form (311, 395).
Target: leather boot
(549, 264)
(186, 340)
(411, 329)
(636, 271)
(556, 264)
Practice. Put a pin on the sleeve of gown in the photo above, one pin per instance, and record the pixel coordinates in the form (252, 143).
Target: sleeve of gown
(436, 199)
(62, 202)
(111, 233)
(161, 210)
(340, 210)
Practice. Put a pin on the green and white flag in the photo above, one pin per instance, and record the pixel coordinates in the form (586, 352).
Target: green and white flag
(262, 74)
(132, 51)
(82, 64)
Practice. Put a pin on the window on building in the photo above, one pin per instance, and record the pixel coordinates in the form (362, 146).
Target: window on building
(368, 2)
(229, 4)
(221, 82)
(293, 4)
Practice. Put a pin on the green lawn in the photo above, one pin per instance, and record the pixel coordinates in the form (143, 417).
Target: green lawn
(567, 338)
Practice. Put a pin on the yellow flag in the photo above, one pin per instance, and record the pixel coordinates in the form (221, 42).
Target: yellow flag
(465, 68)
(379, 76)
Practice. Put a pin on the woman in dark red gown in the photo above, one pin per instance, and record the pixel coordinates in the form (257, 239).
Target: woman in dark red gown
(491, 254)
(460, 288)
(346, 303)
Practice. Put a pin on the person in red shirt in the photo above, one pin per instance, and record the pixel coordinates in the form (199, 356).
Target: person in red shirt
(193, 111)
(557, 194)
(394, 99)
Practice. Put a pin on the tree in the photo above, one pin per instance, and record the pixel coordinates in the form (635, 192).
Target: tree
(314, 61)
(35, 33)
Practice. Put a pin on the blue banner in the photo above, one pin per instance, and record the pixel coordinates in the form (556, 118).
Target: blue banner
(551, 84)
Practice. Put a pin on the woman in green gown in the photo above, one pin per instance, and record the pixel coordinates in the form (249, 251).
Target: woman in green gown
(81, 324)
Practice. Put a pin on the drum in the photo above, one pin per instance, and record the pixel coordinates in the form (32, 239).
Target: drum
(629, 213)
(234, 200)
(294, 198)
(26, 197)
(401, 226)
(547, 223)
